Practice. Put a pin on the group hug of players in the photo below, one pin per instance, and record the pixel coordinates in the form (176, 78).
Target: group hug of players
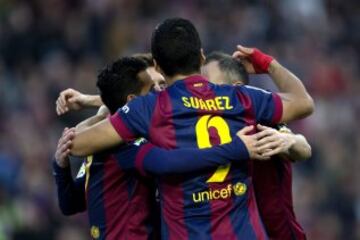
(182, 148)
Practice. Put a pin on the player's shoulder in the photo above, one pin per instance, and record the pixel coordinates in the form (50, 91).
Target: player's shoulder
(141, 102)
(252, 89)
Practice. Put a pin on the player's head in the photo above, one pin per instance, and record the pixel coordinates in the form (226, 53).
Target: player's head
(122, 80)
(221, 68)
(158, 79)
(176, 47)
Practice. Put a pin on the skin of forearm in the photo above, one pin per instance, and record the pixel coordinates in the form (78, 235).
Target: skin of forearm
(292, 90)
(94, 139)
(93, 101)
(88, 122)
(100, 115)
(301, 149)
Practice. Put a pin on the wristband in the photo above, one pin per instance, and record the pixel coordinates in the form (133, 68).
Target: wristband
(260, 61)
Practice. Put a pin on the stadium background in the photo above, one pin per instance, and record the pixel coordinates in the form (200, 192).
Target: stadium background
(47, 46)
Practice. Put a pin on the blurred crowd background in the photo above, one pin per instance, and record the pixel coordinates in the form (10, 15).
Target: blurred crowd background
(47, 46)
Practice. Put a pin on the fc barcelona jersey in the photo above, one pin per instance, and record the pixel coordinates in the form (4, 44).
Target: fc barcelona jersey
(214, 204)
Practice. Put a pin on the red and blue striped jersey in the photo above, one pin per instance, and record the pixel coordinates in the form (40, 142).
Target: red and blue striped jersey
(119, 200)
(211, 204)
(273, 187)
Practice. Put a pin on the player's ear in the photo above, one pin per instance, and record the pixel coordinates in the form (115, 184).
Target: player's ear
(130, 97)
(202, 57)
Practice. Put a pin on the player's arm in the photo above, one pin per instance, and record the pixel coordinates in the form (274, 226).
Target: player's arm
(158, 161)
(129, 122)
(283, 141)
(102, 113)
(296, 102)
(71, 194)
(71, 99)
(98, 137)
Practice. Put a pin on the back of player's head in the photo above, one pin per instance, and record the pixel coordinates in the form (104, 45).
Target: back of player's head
(233, 70)
(176, 47)
(120, 79)
(216, 56)
(146, 57)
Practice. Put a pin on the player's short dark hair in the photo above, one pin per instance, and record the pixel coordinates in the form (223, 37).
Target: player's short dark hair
(119, 79)
(176, 47)
(216, 56)
(233, 69)
(146, 57)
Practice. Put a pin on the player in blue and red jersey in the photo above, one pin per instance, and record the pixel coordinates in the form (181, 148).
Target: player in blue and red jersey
(272, 179)
(193, 112)
(117, 199)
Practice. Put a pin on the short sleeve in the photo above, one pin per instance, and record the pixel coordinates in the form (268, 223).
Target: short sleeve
(266, 105)
(133, 119)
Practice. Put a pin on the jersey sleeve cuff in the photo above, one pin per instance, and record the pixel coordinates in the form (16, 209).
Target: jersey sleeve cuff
(140, 157)
(59, 171)
(278, 109)
(121, 128)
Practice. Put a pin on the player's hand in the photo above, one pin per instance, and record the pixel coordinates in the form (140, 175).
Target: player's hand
(70, 99)
(250, 142)
(253, 59)
(272, 142)
(63, 147)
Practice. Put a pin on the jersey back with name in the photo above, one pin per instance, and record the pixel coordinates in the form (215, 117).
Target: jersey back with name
(214, 203)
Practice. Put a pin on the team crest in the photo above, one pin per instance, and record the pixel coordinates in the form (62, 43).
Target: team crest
(95, 232)
(239, 188)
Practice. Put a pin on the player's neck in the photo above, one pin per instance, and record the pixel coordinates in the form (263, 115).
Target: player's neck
(177, 77)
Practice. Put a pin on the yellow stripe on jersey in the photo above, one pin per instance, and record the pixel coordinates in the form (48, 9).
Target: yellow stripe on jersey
(89, 161)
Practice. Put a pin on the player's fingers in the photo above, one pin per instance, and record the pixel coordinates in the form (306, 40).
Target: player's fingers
(262, 127)
(65, 94)
(61, 107)
(68, 136)
(72, 129)
(66, 131)
(270, 145)
(65, 154)
(272, 152)
(245, 50)
(265, 140)
(260, 157)
(57, 110)
(62, 99)
(238, 54)
(263, 134)
(63, 147)
(245, 130)
(62, 110)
